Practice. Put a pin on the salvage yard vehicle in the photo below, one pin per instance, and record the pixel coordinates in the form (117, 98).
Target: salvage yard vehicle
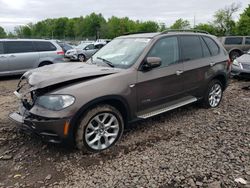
(19, 55)
(236, 45)
(84, 51)
(133, 77)
(241, 66)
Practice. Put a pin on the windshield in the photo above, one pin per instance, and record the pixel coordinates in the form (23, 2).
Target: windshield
(121, 53)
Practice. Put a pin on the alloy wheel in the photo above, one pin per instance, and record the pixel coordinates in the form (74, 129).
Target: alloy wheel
(101, 131)
(215, 95)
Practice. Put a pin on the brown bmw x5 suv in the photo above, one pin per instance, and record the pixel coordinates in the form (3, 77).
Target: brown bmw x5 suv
(133, 77)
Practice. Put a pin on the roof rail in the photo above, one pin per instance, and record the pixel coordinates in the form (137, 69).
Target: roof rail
(131, 33)
(185, 30)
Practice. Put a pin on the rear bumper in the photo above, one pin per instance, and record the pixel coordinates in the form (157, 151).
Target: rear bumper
(50, 130)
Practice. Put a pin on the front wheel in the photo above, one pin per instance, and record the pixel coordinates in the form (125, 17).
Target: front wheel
(99, 129)
(81, 58)
(213, 94)
(234, 55)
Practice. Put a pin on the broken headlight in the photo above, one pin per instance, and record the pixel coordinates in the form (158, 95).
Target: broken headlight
(55, 102)
(237, 64)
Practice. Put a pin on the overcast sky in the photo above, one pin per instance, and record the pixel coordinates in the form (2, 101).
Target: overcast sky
(21, 12)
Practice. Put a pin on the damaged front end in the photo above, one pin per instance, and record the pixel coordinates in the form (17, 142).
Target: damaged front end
(54, 130)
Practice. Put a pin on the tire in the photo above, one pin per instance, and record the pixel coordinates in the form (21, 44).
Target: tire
(44, 64)
(213, 95)
(95, 133)
(81, 57)
(234, 55)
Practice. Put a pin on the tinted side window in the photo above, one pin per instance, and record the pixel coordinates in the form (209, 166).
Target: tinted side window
(90, 47)
(233, 40)
(166, 49)
(206, 52)
(42, 46)
(99, 46)
(247, 40)
(19, 47)
(213, 47)
(1, 48)
(191, 48)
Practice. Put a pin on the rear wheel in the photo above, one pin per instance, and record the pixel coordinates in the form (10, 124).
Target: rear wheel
(99, 129)
(213, 94)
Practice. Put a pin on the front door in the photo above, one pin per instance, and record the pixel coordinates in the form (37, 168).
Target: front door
(90, 50)
(162, 84)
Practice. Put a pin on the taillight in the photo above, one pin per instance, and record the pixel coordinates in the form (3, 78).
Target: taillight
(60, 52)
(229, 63)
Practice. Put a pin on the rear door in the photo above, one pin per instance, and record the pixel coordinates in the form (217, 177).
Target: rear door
(195, 56)
(4, 67)
(162, 84)
(22, 55)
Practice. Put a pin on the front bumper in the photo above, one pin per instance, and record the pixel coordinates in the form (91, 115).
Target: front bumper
(240, 73)
(50, 130)
(71, 56)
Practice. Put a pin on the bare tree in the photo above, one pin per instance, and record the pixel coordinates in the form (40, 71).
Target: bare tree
(223, 19)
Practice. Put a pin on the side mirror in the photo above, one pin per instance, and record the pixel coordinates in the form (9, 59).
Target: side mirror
(151, 62)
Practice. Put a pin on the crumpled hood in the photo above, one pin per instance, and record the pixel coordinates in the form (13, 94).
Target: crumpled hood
(63, 72)
(244, 59)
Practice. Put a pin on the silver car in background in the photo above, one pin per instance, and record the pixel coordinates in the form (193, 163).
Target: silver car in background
(84, 51)
(19, 55)
(241, 66)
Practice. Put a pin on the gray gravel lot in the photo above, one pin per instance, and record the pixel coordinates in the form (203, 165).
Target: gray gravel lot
(187, 147)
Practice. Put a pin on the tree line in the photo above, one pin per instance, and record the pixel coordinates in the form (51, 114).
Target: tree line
(96, 26)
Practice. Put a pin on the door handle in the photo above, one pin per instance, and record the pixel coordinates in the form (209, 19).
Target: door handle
(212, 64)
(12, 56)
(179, 72)
(2, 56)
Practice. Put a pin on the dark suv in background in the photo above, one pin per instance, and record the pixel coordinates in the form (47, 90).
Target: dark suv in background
(236, 45)
(133, 77)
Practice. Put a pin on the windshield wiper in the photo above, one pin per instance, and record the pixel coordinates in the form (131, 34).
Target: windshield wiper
(106, 61)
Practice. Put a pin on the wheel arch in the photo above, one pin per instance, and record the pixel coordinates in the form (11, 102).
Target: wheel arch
(116, 101)
(45, 62)
(222, 78)
(235, 49)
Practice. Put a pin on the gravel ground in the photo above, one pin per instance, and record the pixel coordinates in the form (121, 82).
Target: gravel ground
(187, 147)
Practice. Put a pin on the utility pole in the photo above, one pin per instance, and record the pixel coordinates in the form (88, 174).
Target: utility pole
(194, 21)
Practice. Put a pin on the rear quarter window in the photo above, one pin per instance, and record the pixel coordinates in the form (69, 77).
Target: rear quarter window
(19, 47)
(213, 47)
(44, 46)
(247, 41)
(233, 40)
